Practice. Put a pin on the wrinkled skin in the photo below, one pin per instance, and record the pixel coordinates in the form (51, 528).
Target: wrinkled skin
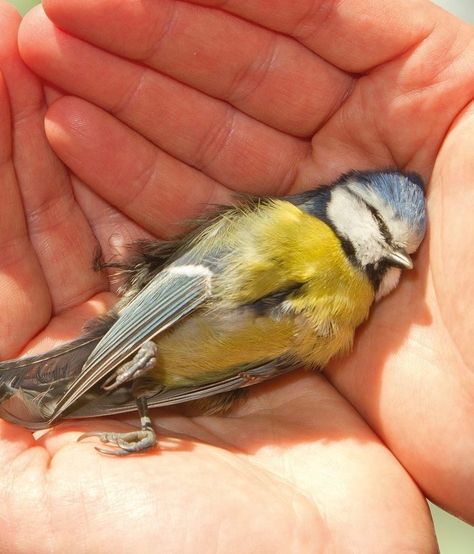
(339, 462)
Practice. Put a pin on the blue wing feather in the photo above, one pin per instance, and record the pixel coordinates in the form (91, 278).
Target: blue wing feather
(170, 296)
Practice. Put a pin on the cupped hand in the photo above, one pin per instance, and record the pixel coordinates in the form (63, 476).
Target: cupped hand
(176, 105)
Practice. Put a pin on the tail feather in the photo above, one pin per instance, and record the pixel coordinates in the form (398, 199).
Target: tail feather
(30, 387)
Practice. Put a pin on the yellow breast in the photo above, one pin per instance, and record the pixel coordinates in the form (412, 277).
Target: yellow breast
(275, 249)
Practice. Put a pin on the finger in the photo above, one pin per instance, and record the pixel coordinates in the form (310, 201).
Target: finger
(264, 74)
(113, 229)
(411, 374)
(152, 188)
(452, 203)
(201, 131)
(55, 223)
(399, 114)
(354, 35)
(69, 324)
(24, 294)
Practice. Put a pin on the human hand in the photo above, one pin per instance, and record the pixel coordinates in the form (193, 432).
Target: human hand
(308, 422)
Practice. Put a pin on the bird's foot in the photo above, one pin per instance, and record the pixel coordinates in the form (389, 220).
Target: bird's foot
(127, 443)
(133, 442)
(143, 361)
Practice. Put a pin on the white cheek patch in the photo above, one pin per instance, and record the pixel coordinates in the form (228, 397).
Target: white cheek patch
(402, 233)
(354, 221)
(389, 282)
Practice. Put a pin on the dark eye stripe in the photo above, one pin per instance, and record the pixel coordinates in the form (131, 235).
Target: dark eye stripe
(378, 218)
(381, 223)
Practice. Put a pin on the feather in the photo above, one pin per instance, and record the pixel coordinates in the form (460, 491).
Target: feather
(243, 377)
(169, 297)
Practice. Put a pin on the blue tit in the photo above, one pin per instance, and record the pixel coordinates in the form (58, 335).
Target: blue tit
(254, 291)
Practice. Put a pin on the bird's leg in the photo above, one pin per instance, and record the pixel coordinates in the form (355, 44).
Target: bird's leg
(129, 443)
(143, 361)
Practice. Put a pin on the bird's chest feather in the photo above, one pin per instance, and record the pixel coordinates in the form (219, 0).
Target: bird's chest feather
(326, 312)
(215, 343)
(288, 293)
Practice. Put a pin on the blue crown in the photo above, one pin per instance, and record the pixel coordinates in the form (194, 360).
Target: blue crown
(404, 192)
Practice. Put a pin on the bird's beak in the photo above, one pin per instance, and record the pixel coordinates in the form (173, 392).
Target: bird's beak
(399, 258)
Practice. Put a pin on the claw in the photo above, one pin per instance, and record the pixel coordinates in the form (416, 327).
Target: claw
(127, 443)
(108, 452)
(140, 364)
(103, 437)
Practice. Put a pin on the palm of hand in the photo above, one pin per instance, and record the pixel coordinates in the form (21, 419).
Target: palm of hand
(297, 445)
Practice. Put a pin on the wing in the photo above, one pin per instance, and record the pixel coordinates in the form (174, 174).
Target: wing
(245, 376)
(172, 295)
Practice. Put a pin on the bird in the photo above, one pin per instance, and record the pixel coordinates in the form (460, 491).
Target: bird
(251, 292)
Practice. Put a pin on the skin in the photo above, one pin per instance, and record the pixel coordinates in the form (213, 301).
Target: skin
(310, 463)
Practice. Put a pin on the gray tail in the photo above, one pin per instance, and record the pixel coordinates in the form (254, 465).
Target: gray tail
(30, 387)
